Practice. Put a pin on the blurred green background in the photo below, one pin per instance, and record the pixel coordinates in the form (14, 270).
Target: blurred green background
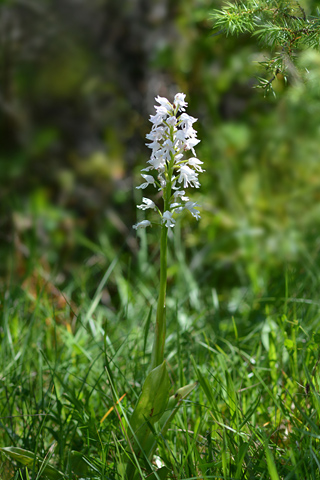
(77, 86)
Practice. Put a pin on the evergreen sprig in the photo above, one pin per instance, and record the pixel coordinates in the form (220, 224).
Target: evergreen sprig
(281, 26)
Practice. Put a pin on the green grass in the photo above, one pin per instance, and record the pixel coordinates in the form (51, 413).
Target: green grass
(67, 355)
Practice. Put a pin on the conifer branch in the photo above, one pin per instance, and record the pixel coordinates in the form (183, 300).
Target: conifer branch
(281, 26)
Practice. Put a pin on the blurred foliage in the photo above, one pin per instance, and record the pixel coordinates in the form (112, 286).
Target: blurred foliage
(77, 85)
(284, 26)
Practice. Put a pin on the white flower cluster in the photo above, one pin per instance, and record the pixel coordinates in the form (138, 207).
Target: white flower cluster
(172, 135)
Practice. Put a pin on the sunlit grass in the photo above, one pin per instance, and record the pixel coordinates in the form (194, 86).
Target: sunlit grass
(67, 356)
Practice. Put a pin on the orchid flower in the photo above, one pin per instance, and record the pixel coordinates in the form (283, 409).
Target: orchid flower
(170, 171)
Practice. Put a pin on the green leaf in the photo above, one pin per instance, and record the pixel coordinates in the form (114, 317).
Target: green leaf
(160, 474)
(146, 330)
(153, 399)
(79, 465)
(204, 383)
(29, 459)
(289, 344)
(173, 405)
(172, 408)
(149, 409)
(240, 458)
(271, 465)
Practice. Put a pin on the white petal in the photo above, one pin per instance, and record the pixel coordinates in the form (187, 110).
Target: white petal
(192, 142)
(143, 224)
(167, 219)
(172, 121)
(142, 186)
(164, 102)
(191, 206)
(179, 101)
(185, 118)
(195, 162)
(188, 176)
(147, 203)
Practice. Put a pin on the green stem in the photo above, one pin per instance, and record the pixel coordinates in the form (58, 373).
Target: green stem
(160, 331)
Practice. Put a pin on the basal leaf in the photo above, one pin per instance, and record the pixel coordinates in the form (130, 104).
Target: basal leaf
(29, 458)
